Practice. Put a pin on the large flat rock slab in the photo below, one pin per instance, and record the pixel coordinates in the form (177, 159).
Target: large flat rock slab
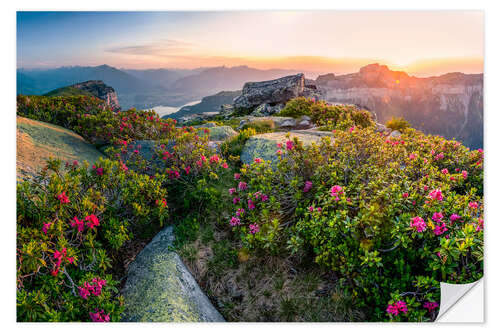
(37, 141)
(160, 288)
(264, 146)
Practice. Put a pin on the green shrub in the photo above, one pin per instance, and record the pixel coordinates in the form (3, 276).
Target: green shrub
(329, 117)
(71, 223)
(186, 164)
(260, 126)
(231, 149)
(391, 217)
(90, 117)
(398, 124)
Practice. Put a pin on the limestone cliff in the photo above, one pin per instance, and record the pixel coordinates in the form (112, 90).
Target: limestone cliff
(100, 90)
(450, 105)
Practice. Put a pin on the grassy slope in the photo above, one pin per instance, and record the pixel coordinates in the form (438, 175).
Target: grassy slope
(37, 141)
(68, 91)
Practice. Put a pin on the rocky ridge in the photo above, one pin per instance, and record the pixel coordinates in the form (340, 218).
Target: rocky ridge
(101, 91)
(450, 105)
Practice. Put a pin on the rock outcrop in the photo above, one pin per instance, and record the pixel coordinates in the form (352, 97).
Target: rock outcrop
(273, 92)
(101, 91)
(219, 133)
(450, 105)
(278, 123)
(264, 146)
(159, 287)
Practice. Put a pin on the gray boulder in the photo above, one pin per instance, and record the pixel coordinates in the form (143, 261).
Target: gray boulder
(304, 122)
(266, 109)
(264, 145)
(272, 92)
(160, 288)
(395, 134)
(226, 110)
(283, 123)
(381, 128)
(220, 133)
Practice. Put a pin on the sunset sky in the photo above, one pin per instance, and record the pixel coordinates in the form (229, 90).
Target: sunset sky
(419, 42)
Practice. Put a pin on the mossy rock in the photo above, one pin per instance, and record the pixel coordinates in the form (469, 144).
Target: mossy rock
(264, 145)
(160, 288)
(220, 133)
(37, 141)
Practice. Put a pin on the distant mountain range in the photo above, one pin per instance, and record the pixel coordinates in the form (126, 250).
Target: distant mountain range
(146, 88)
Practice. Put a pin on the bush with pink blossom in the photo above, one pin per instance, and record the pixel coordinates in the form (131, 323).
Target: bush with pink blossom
(377, 211)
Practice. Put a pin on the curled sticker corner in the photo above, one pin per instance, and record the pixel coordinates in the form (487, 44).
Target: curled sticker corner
(461, 302)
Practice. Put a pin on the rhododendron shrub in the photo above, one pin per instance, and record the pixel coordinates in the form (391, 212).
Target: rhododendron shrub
(72, 223)
(186, 164)
(92, 119)
(326, 115)
(377, 211)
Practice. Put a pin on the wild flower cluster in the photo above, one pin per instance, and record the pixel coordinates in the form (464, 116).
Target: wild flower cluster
(92, 119)
(391, 220)
(326, 115)
(185, 163)
(72, 222)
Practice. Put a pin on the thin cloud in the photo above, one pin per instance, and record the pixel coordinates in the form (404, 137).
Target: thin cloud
(163, 48)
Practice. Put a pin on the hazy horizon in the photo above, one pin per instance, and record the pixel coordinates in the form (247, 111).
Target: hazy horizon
(421, 43)
(435, 68)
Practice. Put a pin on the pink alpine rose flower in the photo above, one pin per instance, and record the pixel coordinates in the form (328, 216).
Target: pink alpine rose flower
(251, 205)
(473, 205)
(436, 194)
(99, 316)
(234, 221)
(63, 198)
(418, 224)
(440, 229)
(79, 224)
(93, 221)
(46, 227)
(254, 228)
(307, 187)
(437, 217)
(430, 306)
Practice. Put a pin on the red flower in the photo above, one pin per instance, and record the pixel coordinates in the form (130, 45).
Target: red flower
(63, 198)
(93, 221)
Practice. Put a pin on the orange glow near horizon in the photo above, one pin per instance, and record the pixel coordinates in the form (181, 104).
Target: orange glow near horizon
(314, 66)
